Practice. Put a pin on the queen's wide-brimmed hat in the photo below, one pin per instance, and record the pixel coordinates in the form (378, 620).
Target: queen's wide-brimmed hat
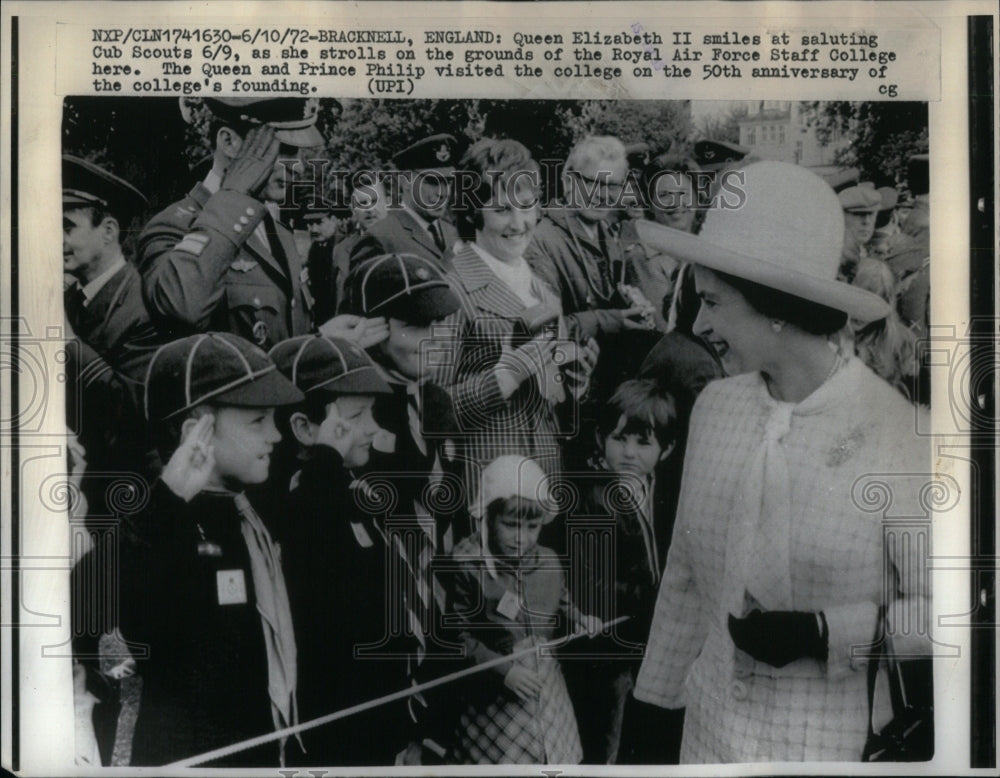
(785, 231)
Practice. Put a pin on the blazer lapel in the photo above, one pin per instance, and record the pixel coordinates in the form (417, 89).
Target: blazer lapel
(417, 233)
(95, 315)
(260, 248)
(484, 289)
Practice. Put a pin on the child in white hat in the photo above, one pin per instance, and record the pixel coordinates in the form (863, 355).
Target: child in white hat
(510, 593)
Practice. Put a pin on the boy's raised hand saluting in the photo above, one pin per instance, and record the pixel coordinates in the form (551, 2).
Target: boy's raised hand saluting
(191, 465)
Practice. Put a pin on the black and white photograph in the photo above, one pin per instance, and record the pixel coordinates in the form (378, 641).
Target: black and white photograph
(586, 432)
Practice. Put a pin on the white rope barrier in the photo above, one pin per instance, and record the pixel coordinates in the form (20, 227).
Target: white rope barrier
(402, 694)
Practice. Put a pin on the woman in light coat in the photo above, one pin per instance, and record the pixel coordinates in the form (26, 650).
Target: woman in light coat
(779, 567)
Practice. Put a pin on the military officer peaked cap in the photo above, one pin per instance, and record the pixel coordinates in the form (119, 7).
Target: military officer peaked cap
(333, 366)
(401, 286)
(215, 367)
(434, 153)
(715, 154)
(293, 118)
(85, 184)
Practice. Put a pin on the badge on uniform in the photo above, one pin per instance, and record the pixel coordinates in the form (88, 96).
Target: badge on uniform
(243, 265)
(208, 549)
(232, 587)
(509, 607)
(260, 332)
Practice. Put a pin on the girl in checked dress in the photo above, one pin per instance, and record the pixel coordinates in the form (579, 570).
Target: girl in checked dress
(509, 594)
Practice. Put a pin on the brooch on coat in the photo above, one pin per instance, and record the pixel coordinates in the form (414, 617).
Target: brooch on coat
(845, 447)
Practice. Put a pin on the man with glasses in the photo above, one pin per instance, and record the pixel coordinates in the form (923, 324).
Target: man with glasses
(578, 253)
(575, 250)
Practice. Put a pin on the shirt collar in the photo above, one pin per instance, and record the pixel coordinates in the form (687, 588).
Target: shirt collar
(95, 285)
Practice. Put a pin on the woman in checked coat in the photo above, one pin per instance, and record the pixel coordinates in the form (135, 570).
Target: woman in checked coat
(779, 570)
(510, 395)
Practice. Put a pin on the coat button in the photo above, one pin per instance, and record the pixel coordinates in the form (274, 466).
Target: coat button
(256, 302)
(293, 302)
(738, 690)
(237, 228)
(250, 211)
(244, 220)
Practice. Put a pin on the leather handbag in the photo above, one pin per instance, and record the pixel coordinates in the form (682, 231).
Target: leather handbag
(909, 735)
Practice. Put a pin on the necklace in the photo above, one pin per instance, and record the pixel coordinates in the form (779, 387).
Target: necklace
(838, 361)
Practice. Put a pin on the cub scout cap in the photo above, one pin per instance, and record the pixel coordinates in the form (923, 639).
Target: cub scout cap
(510, 476)
(316, 363)
(401, 286)
(85, 184)
(293, 118)
(215, 367)
(434, 153)
(863, 198)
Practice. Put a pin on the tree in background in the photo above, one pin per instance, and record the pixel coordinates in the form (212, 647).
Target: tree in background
(147, 141)
(881, 135)
(721, 127)
(140, 139)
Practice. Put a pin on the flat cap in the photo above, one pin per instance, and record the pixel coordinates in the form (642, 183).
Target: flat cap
(330, 366)
(860, 198)
(85, 184)
(215, 367)
(437, 152)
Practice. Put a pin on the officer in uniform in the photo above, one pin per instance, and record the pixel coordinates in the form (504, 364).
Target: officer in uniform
(113, 337)
(219, 259)
(419, 226)
(328, 227)
(716, 155)
(112, 342)
(103, 297)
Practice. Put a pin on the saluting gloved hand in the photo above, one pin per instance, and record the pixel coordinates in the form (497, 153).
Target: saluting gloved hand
(780, 637)
(253, 164)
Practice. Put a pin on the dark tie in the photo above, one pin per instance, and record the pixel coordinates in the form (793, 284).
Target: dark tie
(437, 234)
(273, 241)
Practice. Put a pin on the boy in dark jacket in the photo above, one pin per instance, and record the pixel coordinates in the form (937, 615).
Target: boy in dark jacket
(624, 504)
(337, 558)
(415, 455)
(201, 581)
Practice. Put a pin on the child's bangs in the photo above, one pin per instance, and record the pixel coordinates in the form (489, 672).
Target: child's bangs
(524, 508)
(634, 425)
